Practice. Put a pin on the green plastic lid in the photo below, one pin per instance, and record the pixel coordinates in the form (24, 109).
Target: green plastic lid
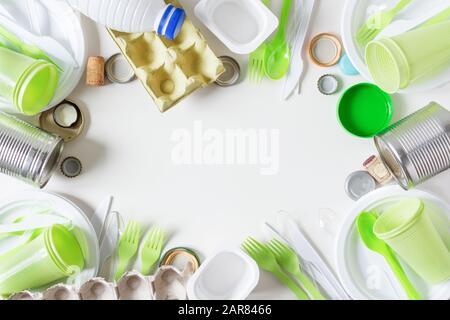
(64, 249)
(364, 110)
(398, 218)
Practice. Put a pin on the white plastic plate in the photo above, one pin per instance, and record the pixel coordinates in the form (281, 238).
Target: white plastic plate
(356, 12)
(27, 202)
(365, 274)
(64, 25)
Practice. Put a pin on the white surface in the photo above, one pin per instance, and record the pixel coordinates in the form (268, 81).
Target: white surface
(20, 204)
(252, 22)
(64, 26)
(126, 152)
(227, 275)
(364, 273)
(356, 12)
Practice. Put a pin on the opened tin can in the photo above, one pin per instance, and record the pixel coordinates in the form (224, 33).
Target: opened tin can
(417, 147)
(27, 152)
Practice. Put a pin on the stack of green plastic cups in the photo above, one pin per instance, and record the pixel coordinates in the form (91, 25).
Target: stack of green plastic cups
(53, 255)
(27, 83)
(408, 230)
(394, 63)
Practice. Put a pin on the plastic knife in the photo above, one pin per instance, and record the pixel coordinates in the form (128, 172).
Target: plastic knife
(296, 67)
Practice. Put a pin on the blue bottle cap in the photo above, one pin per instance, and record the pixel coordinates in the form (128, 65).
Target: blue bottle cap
(171, 22)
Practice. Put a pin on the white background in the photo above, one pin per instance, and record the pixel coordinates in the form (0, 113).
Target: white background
(126, 152)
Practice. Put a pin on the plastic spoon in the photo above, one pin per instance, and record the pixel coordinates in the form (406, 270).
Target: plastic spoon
(365, 222)
(278, 54)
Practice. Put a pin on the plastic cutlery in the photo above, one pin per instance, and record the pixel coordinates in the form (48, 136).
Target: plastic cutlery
(377, 22)
(33, 222)
(278, 53)
(441, 17)
(441, 11)
(128, 246)
(296, 68)
(151, 250)
(265, 259)
(365, 222)
(31, 44)
(289, 261)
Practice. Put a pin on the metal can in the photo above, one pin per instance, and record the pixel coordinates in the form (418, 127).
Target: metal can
(417, 147)
(27, 152)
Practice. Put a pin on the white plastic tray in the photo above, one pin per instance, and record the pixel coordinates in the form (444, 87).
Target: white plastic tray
(356, 12)
(365, 274)
(251, 22)
(65, 27)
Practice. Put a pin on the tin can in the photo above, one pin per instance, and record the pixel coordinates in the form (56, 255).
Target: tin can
(417, 147)
(27, 152)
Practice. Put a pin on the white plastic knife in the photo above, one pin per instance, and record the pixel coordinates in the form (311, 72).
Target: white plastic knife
(309, 254)
(296, 67)
(403, 25)
(33, 222)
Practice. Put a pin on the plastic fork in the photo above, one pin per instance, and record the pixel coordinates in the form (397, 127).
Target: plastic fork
(128, 246)
(266, 261)
(151, 250)
(377, 22)
(256, 69)
(289, 261)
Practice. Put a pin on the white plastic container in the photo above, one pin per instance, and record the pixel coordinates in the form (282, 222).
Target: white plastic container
(134, 15)
(228, 275)
(242, 25)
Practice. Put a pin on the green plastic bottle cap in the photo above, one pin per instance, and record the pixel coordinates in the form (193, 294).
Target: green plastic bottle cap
(64, 249)
(364, 110)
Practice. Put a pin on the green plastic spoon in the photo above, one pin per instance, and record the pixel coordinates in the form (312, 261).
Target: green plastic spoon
(278, 53)
(365, 222)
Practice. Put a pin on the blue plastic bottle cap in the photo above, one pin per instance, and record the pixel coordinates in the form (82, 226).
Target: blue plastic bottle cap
(171, 22)
(347, 67)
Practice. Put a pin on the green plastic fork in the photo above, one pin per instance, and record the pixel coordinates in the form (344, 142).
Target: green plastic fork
(128, 246)
(151, 250)
(256, 62)
(289, 261)
(377, 22)
(266, 261)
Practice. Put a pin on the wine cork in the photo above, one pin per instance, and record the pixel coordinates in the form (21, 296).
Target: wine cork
(95, 75)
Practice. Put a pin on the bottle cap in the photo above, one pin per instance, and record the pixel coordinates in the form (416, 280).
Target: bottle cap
(171, 255)
(328, 84)
(358, 184)
(71, 167)
(325, 50)
(231, 74)
(171, 22)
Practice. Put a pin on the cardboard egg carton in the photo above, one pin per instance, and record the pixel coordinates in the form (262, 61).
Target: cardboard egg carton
(170, 70)
(168, 283)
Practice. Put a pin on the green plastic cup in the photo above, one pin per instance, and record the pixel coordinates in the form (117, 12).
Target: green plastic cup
(364, 110)
(396, 62)
(408, 230)
(27, 83)
(54, 255)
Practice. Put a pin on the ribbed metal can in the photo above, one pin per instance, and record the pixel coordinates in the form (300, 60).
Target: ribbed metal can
(27, 152)
(417, 147)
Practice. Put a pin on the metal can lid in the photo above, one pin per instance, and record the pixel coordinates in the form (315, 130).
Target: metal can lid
(328, 84)
(118, 70)
(231, 74)
(358, 184)
(71, 167)
(170, 256)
